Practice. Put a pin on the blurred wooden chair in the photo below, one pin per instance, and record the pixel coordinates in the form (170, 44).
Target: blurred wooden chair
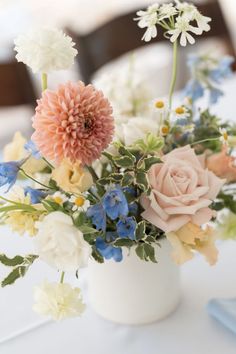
(122, 35)
(15, 85)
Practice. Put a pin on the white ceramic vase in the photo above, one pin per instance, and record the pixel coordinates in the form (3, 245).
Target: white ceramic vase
(133, 291)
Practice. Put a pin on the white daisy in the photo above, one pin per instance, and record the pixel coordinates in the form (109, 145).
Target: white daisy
(182, 29)
(224, 136)
(166, 11)
(181, 112)
(59, 198)
(149, 19)
(80, 203)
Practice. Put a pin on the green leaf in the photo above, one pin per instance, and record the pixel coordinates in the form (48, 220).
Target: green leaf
(17, 273)
(140, 252)
(11, 262)
(150, 253)
(86, 229)
(140, 230)
(125, 152)
(123, 242)
(127, 180)
(97, 256)
(124, 161)
(19, 206)
(141, 180)
(80, 220)
(150, 161)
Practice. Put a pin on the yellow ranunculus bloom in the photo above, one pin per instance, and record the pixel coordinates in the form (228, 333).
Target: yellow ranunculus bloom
(15, 151)
(191, 238)
(72, 178)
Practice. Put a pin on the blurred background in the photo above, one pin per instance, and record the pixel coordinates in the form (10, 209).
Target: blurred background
(109, 45)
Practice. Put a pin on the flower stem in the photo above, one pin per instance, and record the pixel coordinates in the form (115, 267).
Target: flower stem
(48, 163)
(33, 179)
(93, 173)
(204, 141)
(174, 72)
(44, 81)
(62, 277)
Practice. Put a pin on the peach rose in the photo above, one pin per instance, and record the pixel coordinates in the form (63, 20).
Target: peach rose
(72, 178)
(192, 238)
(223, 165)
(182, 191)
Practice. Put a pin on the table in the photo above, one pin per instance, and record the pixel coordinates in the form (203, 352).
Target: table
(187, 331)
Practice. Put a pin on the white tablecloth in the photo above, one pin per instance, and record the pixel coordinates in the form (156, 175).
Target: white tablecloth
(188, 331)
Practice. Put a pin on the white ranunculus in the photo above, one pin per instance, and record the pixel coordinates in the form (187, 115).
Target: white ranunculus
(45, 50)
(129, 130)
(60, 244)
(58, 300)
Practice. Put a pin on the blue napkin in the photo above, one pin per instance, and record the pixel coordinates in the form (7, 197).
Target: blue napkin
(224, 310)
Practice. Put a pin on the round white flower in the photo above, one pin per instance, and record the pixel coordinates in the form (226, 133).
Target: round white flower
(58, 300)
(60, 244)
(45, 50)
(128, 131)
(80, 203)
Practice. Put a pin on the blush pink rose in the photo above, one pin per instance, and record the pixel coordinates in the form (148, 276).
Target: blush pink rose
(182, 191)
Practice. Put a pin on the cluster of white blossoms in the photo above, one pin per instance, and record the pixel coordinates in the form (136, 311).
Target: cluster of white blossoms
(45, 50)
(178, 20)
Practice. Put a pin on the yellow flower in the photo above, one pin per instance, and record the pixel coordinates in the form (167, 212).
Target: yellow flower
(15, 151)
(192, 238)
(72, 178)
(22, 221)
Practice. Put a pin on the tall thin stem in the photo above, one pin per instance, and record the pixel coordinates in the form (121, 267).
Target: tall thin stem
(174, 72)
(33, 179)
(44, 81)
(62, 277)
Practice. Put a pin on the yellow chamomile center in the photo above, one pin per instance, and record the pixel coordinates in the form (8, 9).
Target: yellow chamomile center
(164, 130)
(79, 201)
(159, 104)
(179, 110)
(58, 200)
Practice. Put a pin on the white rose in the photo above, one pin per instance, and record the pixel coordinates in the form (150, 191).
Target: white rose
(60, 244)
(45, 50)
(129, 130)
(58, 300)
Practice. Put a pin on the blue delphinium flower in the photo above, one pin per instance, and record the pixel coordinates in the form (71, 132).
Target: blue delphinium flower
(36, 195)
(215, 94)
(126, 227)
(133, 208)
(31, 147)
(223, 71)
(98, 216)
(115, 203)
(108, 251)
(194, 90)
(9, 172)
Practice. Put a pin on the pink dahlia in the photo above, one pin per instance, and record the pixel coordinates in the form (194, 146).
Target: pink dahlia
(74, 122)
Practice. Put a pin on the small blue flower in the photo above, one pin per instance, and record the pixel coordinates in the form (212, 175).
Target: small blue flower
(194, 90)
(98, 216)
(223, 71)
(126, 227)
(9, 172)
(115, 204)
(36, 195)
(215, 94)
(108, 251)
(31, 147)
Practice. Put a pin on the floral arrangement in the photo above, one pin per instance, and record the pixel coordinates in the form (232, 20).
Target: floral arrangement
(93, 185)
